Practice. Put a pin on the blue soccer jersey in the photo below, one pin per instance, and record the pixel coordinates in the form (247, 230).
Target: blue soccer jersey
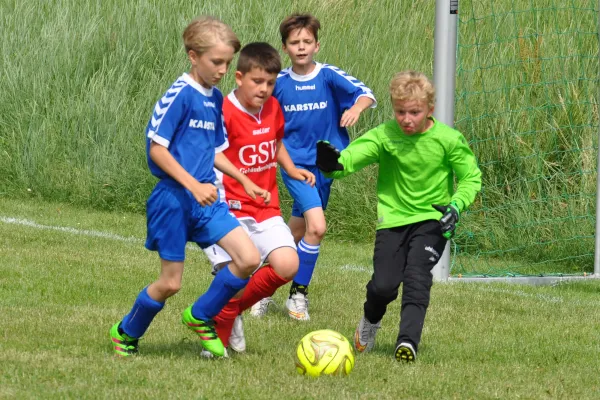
(189, 122)
(313, 105)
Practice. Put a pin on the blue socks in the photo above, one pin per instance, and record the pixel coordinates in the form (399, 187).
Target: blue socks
(308, 254)
(221, 290)
(141, 315)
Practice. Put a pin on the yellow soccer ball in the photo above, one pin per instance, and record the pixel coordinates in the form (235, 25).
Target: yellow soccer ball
(324, 352)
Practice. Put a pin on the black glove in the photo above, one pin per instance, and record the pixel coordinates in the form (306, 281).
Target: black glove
(327, 157)
(449, 220)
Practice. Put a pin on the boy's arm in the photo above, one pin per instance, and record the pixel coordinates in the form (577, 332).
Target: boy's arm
(204, 193)
(464, 164)
(362, 152)
(351, 115)
(353, 95)
(223, 164)
(286, 163)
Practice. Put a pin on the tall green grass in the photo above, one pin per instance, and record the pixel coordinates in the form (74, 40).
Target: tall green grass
(80, 80)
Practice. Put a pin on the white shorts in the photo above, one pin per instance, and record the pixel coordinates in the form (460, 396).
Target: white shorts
(267, 236)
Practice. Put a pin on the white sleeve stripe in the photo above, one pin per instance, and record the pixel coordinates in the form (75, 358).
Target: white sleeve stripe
(160, 140)
(369, 95)
(222, 147)
(349, 78)
(163, 105)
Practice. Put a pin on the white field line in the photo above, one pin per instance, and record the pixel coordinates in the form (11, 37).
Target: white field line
(542, 297)
(79, 232)
(545, 298)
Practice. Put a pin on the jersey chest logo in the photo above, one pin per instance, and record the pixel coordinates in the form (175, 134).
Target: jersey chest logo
(305, 106)
(253, 154)
(199, 124)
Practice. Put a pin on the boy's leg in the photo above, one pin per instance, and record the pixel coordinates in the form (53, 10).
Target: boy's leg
(283, 264)
(225, 319)
(310, 203)
(424, 250)
(167, 214)
(276, 245)
(297, 227)
(216, 225)
(388, 268)
(148, 303)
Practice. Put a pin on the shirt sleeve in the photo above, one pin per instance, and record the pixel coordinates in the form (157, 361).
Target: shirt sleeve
(167, 116)
(280, 123)
(464, 164)
(221, 139)
(347, 88)
(361, 152)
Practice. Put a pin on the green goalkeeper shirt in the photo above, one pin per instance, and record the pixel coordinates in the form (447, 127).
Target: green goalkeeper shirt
(415, 171)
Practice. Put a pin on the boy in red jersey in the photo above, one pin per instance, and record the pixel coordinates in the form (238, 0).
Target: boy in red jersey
(255, 128)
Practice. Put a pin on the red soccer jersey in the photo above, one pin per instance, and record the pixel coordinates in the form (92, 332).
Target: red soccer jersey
(252, 149)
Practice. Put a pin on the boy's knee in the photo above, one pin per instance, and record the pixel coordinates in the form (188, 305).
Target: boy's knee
(385, 291)
(316, 231)
(249, 263)
(286, 270)
(170, 287)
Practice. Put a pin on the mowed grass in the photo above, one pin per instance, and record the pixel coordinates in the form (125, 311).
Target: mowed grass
(63, 289)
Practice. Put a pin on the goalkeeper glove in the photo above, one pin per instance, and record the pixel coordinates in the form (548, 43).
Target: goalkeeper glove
(449, 220)
(327, 157)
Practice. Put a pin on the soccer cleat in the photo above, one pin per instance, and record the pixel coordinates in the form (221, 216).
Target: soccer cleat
(205, 331)
(297, 306)
(364, 337)
(260, 308)
(207, 354)
(237, 341)
(405, 352)
(123, 344)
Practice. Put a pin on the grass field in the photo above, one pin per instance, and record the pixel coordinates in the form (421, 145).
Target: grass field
(68, 274)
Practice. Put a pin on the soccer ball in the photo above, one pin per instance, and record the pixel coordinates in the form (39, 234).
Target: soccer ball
(324, 352)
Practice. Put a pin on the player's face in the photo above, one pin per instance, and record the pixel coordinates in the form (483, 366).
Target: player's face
(254, 88)
(209, 67)
(301, 47)
(413, 116)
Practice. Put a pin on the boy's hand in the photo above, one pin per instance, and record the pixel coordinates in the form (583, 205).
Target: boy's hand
(205, 193)
(449, 220)
(350, 117)
(300, 174)
(327, 157)
(254, 190)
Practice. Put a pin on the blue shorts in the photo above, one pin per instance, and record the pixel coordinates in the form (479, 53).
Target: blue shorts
(174, 217)
(307, 197)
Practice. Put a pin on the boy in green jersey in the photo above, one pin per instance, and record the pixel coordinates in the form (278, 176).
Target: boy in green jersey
(418, 158)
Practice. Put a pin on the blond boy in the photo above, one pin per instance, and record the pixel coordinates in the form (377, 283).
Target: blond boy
(418, 158)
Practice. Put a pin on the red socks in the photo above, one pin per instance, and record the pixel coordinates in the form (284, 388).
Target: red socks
(263, 284)
(225, 319)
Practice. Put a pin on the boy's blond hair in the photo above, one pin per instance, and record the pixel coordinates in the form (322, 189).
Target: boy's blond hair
(412, 85)
(205, 32)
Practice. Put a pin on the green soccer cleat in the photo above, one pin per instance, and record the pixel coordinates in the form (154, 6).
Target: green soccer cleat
(205, 331)
(123, 345)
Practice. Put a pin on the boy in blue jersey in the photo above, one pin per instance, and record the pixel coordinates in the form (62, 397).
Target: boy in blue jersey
(182, 135)
(319, 102)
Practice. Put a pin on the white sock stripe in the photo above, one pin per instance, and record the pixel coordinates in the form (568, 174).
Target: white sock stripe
(307, 248)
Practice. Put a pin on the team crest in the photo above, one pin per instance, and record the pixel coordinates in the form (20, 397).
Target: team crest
(235, 204)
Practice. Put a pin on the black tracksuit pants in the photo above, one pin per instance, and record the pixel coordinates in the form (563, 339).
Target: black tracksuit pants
(404, 254)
